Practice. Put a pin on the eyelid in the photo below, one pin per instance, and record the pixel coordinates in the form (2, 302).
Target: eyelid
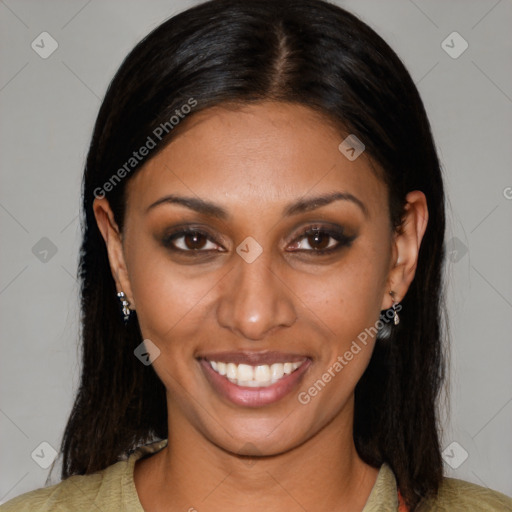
(335, 232)
(181, 231)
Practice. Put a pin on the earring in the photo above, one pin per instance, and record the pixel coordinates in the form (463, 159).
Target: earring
(125, 305)
(396, 318)
(386, 328)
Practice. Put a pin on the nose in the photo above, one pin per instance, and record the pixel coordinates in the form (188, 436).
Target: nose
(255, 300)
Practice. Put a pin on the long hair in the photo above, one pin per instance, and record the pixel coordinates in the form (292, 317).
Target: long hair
(306, 52)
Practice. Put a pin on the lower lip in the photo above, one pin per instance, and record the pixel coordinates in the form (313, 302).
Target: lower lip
(254, 397)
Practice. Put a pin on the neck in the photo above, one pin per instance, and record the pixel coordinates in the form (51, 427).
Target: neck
(192, 473)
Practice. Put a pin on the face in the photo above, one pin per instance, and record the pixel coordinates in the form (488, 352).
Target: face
(256, 255)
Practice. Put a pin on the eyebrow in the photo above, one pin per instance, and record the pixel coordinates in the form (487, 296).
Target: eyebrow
(302, 205)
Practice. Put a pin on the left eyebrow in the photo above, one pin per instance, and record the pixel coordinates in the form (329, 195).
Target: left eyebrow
(300, 206)
(305, 205)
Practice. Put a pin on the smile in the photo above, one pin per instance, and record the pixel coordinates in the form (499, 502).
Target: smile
(254, 376)
(254, 379)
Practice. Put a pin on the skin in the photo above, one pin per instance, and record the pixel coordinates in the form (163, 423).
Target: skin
(253, 162)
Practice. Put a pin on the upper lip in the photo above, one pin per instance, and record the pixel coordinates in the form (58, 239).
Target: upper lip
(253, 358)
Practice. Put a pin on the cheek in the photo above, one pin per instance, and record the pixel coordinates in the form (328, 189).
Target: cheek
(170, 304)
(345, 302)
(348, 305)
(347, 297)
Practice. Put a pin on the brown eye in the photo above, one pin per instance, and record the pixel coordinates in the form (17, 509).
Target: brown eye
(194, 240)
(319, 240)
(191, 241)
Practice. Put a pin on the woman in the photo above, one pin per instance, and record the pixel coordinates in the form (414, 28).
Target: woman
(261, 276)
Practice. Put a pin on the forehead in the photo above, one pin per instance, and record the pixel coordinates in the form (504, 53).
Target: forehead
(264, 155)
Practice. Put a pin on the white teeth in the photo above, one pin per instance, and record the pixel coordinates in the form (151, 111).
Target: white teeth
(254, 376)
(221, 368)
(245, 372)
(276, 371)
(231, 371)
(262, 373)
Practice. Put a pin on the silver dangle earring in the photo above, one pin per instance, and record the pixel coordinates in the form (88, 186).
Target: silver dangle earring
(396, 318)
(125, 305)
(387, 321)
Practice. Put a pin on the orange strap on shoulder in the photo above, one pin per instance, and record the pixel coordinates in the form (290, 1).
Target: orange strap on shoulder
(402, 507)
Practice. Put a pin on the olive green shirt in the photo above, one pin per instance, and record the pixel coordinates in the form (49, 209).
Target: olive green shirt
(113, 489)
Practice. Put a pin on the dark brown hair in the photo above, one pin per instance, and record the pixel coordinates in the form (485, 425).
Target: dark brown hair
(308, 52)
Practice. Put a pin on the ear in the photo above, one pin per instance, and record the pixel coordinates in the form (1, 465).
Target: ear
(113, 240)
(406, 246)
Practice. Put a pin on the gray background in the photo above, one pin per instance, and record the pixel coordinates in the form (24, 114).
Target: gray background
(48, 107)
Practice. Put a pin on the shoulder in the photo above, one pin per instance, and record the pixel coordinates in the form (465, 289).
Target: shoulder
(77, 493)
(111, 489)
(457, 495)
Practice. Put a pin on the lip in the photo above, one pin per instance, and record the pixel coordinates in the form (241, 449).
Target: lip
(254, 397)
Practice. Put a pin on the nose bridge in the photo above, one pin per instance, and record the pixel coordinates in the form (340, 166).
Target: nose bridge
(255, 300)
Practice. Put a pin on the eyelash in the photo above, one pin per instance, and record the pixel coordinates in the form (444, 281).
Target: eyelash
(336, 234)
